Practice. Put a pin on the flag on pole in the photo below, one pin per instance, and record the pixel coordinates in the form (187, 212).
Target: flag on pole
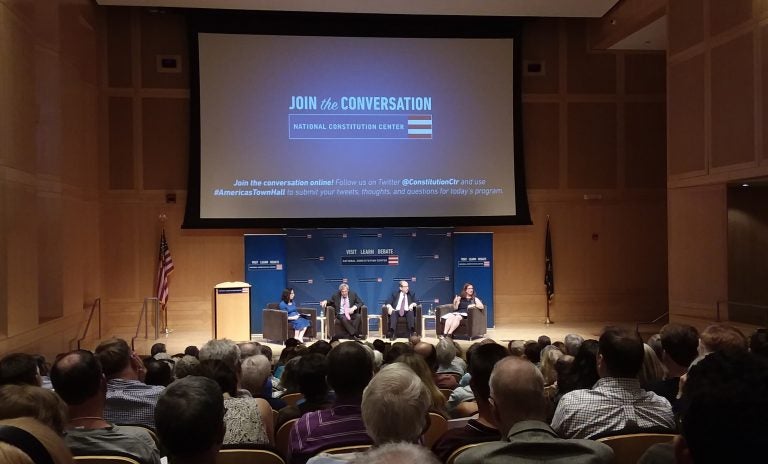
(164, 269)
(549, 273)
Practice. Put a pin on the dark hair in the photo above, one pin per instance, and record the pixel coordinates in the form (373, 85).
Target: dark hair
(158, 372)
(19, 369)
(321, 346)
(114, 355)
(680, 343)
(532, 351)
(464, 290)
(192, 350)
(544, 341)
(350, 368)
(484, 357)
(157, 348)
(221, 373)
(76, 376)
(758, 343)
(312, 369)
(724, 408)
(380, 346)
(396, 350)
(189, 416)
(622, 352)
(583, 370)
(285, 297)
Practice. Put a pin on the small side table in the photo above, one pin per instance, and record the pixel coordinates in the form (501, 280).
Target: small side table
(424, 319)
(375, 316)
(320, 333)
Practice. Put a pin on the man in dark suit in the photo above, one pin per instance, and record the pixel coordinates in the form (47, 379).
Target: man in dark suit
(401, 304)
(346, 304)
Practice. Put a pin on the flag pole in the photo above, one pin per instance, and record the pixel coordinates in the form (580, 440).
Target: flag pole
(549, 277)
(164, 306)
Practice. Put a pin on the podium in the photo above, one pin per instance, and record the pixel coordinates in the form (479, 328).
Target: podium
(231, 311)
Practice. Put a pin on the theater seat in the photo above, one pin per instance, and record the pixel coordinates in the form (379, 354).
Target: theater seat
(473, 326)
(628, 448)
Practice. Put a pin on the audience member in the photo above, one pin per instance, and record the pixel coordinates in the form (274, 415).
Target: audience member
(549, 356)
(25, 440)
(394, 408)
(79, 381)
(583, 371)
(654, 341)
(419, 366)
(158, 372)
(31, 401)
(255, 377)
(129, 399)
(516, 348)
(19, 368)
(652, 370)
(722, 337)
(320, 346)
(190, 420)
(188, 365)
(532, 352)
(448, 359)
(396, 453)
(543, 341)
(350, 368)
(573, 343)
(248, 349)
(519, 409)
(192, 350)
(679, 345)
(483, 428)
(156, 349)
(397, 349)
(616, 404)
(311, 372)
(248, 420)
(758, 343)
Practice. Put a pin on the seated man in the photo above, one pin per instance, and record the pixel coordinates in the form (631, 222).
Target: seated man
(79, 381)
(401, 304)
(18, 369)
(519, 408)
(129, 399)
(346, 305)
(190, 420)
(679, 344)
(350, 368)
(616, 403)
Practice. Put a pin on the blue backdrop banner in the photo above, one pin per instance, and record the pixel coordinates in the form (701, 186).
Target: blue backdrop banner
(265, 266)
(371, 261)
(473, 263)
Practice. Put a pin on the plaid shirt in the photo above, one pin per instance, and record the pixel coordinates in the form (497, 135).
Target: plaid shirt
(612, 405)
(131, 402)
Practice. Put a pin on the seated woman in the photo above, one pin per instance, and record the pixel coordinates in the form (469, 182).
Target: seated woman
(248, 420)
(298, 323)
(461, 304)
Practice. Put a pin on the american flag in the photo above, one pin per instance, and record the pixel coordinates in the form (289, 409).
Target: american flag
(164, 270)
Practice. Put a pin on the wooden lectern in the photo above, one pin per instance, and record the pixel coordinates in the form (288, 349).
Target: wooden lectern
(232, 311)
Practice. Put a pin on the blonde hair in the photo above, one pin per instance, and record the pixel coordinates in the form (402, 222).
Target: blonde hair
(653, 370)
(53, 443)
(549, 356)
(419, 366)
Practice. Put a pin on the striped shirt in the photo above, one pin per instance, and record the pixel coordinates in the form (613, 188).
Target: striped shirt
(614, 404)
(131, 402)
(315, 431)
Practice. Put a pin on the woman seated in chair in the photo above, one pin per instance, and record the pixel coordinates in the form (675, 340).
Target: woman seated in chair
(298, 323)
(461, 304)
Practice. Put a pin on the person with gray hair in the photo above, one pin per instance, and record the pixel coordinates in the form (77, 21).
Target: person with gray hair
(395, 409)
(224, 350)
(573, 343)
(255, 377)
(396, 452)
(248, 349)
(519, 408)
(190, 420)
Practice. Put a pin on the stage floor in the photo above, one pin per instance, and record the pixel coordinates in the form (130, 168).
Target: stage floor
(177, 340)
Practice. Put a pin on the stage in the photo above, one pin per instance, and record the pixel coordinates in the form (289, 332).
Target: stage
(177, 340)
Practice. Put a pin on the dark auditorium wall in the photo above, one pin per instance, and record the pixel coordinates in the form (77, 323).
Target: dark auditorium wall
(95, 142)
(594, 125)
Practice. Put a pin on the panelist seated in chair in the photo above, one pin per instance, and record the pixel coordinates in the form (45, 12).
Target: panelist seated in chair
(462, 303)
(295, 318)
(402, 304)
(346, 305)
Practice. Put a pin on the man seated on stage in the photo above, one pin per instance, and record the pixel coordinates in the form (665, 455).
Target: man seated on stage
(401, 304)
(346, 304)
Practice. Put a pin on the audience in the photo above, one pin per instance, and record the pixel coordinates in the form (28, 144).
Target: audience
(350, 368)
(652, 370)
(679, 347)
(518, 406)
(722, 337)
(129, 399)
(419, 366)
(549, 356)
(616, 404)
(159, 372)
(483, 428)
(25, 440)
(311, 372)
(190, 420)
(188, 365)
(19, 368)
(248, 420)
(255, 372)
(78, 379)
(31, 401)
(396, 453)
(758, 343)
(573, 343)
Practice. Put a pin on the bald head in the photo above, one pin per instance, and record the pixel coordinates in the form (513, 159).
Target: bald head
(517, 391)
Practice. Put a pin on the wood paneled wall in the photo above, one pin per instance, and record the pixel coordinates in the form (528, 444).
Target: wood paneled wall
(717, 134)
(51, 64)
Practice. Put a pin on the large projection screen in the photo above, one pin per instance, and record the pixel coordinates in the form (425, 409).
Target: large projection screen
(327, 126)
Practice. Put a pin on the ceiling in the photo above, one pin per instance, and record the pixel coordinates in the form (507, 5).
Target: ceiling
(545, 8)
